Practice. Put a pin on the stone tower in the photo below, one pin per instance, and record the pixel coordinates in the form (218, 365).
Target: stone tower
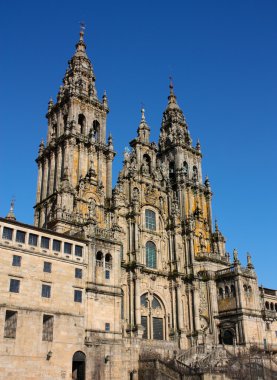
(75, 164)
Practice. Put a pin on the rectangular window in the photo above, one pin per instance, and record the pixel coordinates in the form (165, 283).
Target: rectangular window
(47, 267)
(56, 246)
(158, 328)
(78, 250)
(144, 325)
(16, 261)
(33, 239)
(10, 324)
(44, 242)
(107, 327)
(14, 285)
(46, 291)
(77, 295)
(78, 273)
(47, 328)
(67, 248)
(150, 220)
(107, 274)
(20, 237)
(7, 233)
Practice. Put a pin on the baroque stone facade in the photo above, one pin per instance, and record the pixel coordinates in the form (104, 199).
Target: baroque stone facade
(106, 275)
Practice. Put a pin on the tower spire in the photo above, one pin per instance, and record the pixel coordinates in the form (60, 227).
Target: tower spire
(11, 215)
(81, 46)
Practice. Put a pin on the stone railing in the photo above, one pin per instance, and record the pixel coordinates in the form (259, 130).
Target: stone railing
(211, 256)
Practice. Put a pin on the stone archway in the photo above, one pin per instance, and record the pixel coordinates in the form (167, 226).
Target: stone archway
(79, 366)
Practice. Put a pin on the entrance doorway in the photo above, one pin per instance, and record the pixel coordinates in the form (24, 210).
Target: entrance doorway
(79, 366)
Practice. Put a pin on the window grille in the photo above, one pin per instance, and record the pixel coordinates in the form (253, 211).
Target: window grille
(157, 328)
(78, 273)
(16, 261)
(20, 237)
(151, 259)
(7, 233)
(33, 239)
(107, 274)
(46, 291)
(144, 324)
(67, 248)
(150, 220)
(10, 324)
(77, 296)
(56, 246)
(78, 251)
(107, 327)
(44, 242)
(47, 328)
(47, 267)
(14, 285)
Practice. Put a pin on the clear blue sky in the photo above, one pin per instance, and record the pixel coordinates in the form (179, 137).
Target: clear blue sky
(222, 56)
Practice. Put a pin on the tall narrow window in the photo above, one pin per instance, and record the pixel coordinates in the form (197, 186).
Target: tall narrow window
(46, 291)
(16, 261)
(67, 248)
(96, 129)
(151, 256)
(47, 327)
(77, 296)
(185, 169)
(78, 251)
(145, 327)
(81, 123)
(14, 285)
(153, 317)
(150, 220)
(10, 324)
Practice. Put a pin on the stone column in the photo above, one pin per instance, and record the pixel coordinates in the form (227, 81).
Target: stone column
(58, 167)
(39, 182)
(179, 307)
(213, 304)
(109, 176)
(52, 172)
(196, 306)
(137, 298)
(45, 179)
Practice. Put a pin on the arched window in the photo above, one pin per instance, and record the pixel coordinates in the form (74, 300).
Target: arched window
(81, 123)
(227, 292)
(153, 317)
(54, 131)
(79, 366)
(151, 256)
(96, 129)
(267, 305)
(99, 259)
(271, 306)
(185, 169)
(64, 121)
(276, 307)
(150, 220)
(195, 173)
(108, 261)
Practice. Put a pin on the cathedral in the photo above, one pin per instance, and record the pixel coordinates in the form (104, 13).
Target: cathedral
(113, 283)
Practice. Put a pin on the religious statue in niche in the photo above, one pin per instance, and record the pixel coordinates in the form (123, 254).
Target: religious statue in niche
(145, 167)
(91, 208)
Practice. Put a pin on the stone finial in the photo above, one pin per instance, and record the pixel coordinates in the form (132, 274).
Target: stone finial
(41, 147)
(81, 46)
(207, 183)
(172, 103)
(198, 146)
(110, 140)
(216, 225)
(11, 215)
(50, 104)
(236, 257)
(249, 261)
(142, 114)
(105, 99)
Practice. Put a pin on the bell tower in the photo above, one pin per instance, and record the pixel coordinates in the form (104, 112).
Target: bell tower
(75, 163)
